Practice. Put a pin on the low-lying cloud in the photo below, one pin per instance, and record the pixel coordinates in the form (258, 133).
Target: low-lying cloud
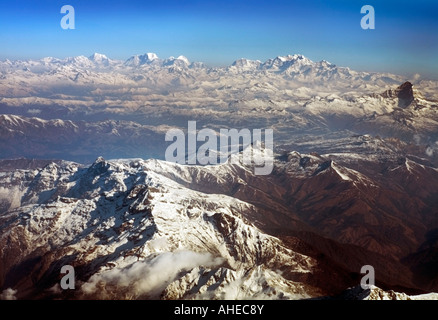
(8, 294)
(145, 279)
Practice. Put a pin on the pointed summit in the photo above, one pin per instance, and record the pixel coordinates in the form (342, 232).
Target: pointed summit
(150, 56)
(184, 59)
(404, 93)
(246, 64)
(289, 63)
(139, 60)
(98, 57)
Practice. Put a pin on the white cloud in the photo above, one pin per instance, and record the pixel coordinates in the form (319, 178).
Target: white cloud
(8, 294)
(416, 77)
(34, 111)
(11, 195)
(146, 278)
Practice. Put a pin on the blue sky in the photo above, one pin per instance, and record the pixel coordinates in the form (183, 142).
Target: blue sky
(405, 40)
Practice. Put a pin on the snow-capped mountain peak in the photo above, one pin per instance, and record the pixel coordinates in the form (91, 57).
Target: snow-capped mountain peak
(294, 57)
(125, 215)
(138, 60)
(79, 61)
(98, 57)
(287, 63)
(150, 56)
(246, 64)
(184, 59)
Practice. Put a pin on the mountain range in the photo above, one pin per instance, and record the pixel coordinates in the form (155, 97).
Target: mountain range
(83, 181)
(302, 232)
(62, 101)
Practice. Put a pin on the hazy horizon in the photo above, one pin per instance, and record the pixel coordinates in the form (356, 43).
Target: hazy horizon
(403, 42)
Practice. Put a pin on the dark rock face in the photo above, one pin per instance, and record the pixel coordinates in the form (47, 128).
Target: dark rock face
(405, 94)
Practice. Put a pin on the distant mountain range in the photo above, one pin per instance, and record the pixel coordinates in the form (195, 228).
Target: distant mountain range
(295, 65)
(82, 133)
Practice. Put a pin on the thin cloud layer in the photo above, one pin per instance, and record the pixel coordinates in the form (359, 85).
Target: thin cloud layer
(146, 278)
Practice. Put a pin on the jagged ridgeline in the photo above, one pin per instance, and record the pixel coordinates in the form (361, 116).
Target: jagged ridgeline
(353, 181)
(135, 229)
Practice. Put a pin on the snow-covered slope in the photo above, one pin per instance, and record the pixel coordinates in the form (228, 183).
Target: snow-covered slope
(353, 181)
(376, 293)
(154, 229)
(132, 233)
